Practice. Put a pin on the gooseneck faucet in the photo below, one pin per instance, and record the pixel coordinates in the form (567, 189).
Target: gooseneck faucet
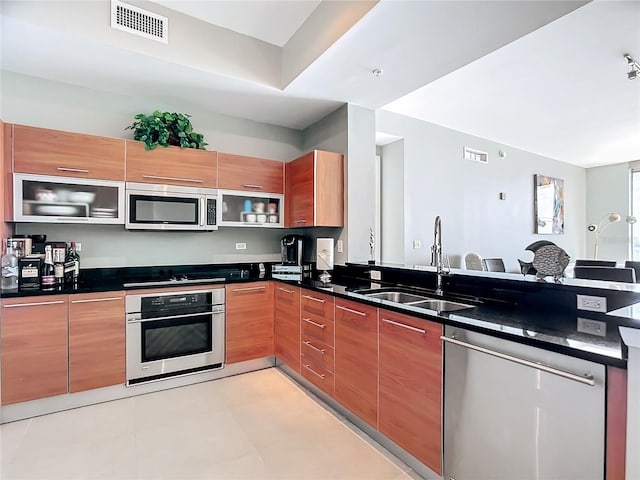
(436, 254)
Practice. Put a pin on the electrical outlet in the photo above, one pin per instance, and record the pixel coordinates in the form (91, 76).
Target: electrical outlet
(593, 327)
(592, 303)
(375, 275)
(339, 246)
(417, 244)
(241, 246)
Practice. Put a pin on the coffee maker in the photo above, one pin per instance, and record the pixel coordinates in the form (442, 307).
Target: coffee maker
(292, 266)
(292, 247)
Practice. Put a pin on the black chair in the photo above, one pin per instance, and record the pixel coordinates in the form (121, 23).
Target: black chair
(626, 275)
(595, 263)
(635, 266)
(493, 265)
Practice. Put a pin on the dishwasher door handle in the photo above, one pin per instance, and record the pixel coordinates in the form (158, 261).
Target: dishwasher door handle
(587, 379)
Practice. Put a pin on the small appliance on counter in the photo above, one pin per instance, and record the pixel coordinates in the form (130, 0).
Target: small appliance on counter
(291, 272)
(324, 259)
(292, 266)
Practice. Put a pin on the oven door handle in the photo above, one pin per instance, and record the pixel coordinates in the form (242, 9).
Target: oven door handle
(134, 318)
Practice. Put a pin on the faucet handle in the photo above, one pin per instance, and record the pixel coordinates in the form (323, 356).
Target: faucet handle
(446, 264)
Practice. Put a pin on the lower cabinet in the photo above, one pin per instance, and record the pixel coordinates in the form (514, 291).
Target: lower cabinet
(34, 348)
(356, 359)
(249, 320)
(96, 340)
(410, 409)
(287, 325)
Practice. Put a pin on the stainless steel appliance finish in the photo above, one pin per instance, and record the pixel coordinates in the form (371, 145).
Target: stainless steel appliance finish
(169, 207)
(513, 411)
(174, 333)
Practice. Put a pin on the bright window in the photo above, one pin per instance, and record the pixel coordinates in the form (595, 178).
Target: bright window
(635, 211)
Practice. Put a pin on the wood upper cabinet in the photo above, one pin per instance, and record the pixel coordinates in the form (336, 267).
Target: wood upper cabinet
(314, 190)
(236, 172)
(66, 154)
(96, 340)
(410, 410)
(34, 348)
(356, 359)
(6, 197)
(249, 321)
(287, 324)
(188, 167)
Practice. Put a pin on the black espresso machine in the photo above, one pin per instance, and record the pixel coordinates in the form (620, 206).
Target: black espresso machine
(292, 266)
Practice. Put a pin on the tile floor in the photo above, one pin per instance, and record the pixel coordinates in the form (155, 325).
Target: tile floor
(258, 425)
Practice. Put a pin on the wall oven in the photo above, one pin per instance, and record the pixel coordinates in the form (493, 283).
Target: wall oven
(174, 333)
(170, 207)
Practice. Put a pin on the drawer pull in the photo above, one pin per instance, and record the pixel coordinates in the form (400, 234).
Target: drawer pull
(312, 346)
(158, 177)
(403, 325)
(250, 185)
(321, 375)
(299, 221)
(75, 170)
(248, 289)
(319, 300)
(308, 320)
(285, 290)
(14, 305)
(362, 314)
(108, 299)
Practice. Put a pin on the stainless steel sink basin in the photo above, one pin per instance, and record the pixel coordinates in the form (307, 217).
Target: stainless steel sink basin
(397, 297)
(414, 300)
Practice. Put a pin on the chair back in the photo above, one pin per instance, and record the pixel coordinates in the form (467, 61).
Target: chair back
(626, 275)
(635, 266)
(595, 263)
(473, 261)
(493, 265)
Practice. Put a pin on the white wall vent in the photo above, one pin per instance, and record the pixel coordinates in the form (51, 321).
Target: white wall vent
(139, 22)
(475, 155)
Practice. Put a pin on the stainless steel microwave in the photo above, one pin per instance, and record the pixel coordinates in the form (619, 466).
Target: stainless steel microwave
(170, 207)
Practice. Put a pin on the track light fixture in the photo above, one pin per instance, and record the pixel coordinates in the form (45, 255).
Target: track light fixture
(634, 67)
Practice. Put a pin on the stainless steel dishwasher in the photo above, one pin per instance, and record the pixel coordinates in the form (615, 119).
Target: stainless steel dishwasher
(515, 412)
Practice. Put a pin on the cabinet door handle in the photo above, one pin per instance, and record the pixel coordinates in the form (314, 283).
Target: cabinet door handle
(177, 179)
(356, 312)
(247, 289)
(312, 346)
(14, 305)
(91, 300)
(250, 185)
(308, 320)
(404, 325)
(319, 300)
(75, 170)
(299, 221)
(587, 379)
(308, 367)
(285, 290)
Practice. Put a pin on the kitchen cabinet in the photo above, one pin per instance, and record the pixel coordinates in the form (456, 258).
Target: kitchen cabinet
(53, 152)
(410, 410)
(616, 423)
(356, 359)
(171, 165)
(6, 197)
(249, 321)
(314, 190)
(34, 348)
(96, 340)
(287, 325)
(259, 175)
(243, 209)
(317, 355)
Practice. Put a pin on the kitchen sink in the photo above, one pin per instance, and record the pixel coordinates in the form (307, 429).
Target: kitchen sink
(411, 299)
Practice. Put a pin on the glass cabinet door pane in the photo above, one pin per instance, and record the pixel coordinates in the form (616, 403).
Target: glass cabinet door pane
(252, 210)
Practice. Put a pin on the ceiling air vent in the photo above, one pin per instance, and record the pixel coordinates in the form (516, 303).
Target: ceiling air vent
(139, 22)
(475, 155)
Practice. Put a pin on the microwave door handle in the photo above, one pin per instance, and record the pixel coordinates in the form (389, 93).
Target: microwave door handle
(203, 211)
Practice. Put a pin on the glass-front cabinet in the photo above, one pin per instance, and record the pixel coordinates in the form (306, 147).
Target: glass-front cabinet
(244, 209)
(39, 198)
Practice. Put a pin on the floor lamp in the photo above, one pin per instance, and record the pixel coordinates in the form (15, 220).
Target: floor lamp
(604, 222)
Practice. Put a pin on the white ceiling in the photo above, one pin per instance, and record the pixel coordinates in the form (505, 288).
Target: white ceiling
(546, 77)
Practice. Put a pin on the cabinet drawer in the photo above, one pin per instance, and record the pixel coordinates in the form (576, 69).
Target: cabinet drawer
(317, 352)
(53, 152)
(323, 379)
(318, 328)
(237, 172)
(317, 304)
(287, 297)
(188, 167)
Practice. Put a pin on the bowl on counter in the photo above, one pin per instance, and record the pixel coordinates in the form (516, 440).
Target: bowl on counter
(250, 217)
(82, 197)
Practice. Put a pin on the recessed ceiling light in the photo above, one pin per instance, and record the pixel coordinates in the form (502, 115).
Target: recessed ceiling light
(377, 72)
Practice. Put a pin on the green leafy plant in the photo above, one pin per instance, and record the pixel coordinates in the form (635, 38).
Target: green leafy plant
(164, 129)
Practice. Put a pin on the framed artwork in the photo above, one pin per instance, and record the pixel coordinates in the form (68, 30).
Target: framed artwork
(549, 204)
